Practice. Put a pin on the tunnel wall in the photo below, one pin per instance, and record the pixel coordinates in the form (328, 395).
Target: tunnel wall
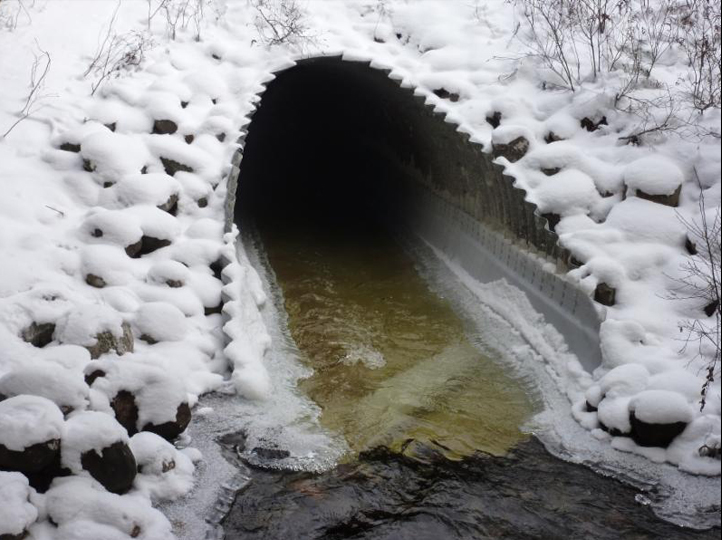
(463, 204)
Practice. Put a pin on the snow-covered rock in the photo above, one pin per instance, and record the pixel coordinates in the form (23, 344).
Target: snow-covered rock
(17, 513)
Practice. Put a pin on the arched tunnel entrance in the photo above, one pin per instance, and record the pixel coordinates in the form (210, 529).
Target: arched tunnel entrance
(328, 144)
(339, 147)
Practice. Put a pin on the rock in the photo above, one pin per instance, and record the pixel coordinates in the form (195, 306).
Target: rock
(189, 139)
(443, 93)
(605, 295)
(133, 250)
(690, 246)
(32, 459)
(494, 119)
(95, 281)
(30, 432)
(667, 200)
(146, 245)
(271, 453)
(590, 125)
(171, 166)
(171, 205)
(39, 335)
(552, 171)
(659, 435)
(106, 341)
(171, 430)
(513, 151)
(202, 202)
(112, 126)
(88, 165)
(711, 308)
(70, 147)
(164, 127)
(552, 137)
(115, 467)
(221, 137)
(126, 411)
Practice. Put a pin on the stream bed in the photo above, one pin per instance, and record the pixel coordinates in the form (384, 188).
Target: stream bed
(433, 426)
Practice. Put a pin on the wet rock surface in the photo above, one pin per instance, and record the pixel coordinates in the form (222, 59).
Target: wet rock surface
(528, 494)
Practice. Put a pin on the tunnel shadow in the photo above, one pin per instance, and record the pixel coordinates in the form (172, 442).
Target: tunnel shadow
(327, 148)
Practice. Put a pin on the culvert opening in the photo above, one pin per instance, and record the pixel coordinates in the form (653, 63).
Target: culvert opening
(334, 157)
(328, 146)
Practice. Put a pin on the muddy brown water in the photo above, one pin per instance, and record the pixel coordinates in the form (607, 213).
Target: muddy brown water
(433, 423)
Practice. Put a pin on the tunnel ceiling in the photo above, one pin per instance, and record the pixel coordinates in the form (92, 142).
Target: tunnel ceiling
(333, 137)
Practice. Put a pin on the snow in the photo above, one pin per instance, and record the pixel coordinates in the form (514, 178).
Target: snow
(16, 510)
(567, 193)
(82, 324)
(86, 431)
(64, 387)
(28, 420)
(161, 321)
(661, 407)
(83, 506)
(163, 472)
(654, 175)
(59, 222)
(157, 393)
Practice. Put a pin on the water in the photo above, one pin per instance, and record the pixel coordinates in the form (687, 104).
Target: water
(391, 359)
(434, 416)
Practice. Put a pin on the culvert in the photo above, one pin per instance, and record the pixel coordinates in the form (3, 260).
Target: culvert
(336, 138)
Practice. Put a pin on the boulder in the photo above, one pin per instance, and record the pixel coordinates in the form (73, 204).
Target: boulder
(513, 151)
(164, 127)
(30, 432)
(39, 334)
(115, 467)
(659, 435)
(107, 341)
(605, 295)
(96, 445)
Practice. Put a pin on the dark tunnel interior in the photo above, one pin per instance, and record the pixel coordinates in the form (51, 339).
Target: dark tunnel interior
(328, 145)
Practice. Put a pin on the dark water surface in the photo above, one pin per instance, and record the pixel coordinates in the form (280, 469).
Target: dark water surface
(433, 424)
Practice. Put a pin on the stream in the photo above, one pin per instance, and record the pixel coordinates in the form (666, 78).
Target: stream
(430, 428)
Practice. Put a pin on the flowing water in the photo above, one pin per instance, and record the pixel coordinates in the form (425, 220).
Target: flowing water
(433, 420)
(391, 360)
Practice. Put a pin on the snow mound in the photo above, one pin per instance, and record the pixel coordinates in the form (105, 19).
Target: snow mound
(86, 431)
(661, 407)
(82, 324)
(17, 513)
(163, 471)
(83, 506)
(567, 193)
(654, 175)
(28, 420)
(62, 386)
(161, 322)
(157, 393)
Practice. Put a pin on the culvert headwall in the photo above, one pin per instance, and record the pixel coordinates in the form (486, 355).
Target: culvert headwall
(337, 136)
